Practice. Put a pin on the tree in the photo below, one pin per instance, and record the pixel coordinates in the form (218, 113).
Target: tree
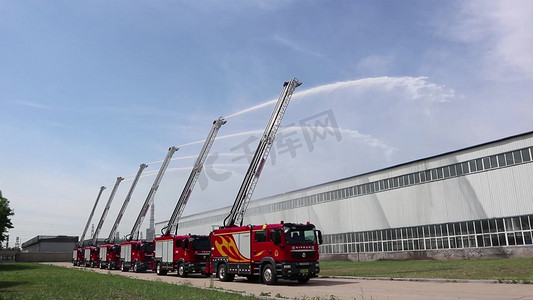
(5, 213)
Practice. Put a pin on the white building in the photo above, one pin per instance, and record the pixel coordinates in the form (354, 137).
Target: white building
(471, 202)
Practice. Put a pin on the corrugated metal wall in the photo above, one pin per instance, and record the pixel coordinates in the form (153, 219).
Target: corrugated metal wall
(498, 192)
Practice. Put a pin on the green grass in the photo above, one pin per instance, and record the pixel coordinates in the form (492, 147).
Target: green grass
(37, 281)
(519, 269)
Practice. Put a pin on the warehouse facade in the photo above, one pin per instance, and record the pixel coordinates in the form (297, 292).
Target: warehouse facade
(471, 202)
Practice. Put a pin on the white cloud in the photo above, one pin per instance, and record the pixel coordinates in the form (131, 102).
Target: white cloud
(500, 32)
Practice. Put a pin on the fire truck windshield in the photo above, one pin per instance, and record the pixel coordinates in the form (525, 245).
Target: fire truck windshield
(147, 247)
(300, 236)
(201, 243)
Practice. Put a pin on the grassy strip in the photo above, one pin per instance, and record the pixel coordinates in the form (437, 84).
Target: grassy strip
(37, 281)
(519, 269)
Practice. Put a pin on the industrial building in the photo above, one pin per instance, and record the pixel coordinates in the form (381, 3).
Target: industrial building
(473, 202)
(50, 244)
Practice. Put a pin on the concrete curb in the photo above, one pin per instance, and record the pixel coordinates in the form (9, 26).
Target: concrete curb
(432, 279)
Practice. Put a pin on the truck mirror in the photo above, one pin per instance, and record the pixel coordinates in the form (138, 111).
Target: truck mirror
(319, 235)
(276, 237)
(185, 244)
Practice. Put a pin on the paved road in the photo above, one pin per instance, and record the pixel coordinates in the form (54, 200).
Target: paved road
(352, 288)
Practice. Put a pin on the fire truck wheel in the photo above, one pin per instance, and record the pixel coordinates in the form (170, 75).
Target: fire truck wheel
(160, 271)
(223, 273)
(269, 275)
(135, 267)
(181, 270)
(109, 267)
(303, 279)
(124, 268)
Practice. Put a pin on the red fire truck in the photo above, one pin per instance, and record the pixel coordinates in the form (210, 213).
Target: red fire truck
(78, 253)
(110, 252)
(185, 253)
(182, 253)
(271, 251)
(109, 255)
(77, 256)
(139, 254)
(91, 256)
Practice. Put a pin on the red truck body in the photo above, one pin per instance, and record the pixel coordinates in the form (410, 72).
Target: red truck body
(78, 256)
(268, 252)
(91, 256)
(182, 253)
(137, 255)
(110, 256)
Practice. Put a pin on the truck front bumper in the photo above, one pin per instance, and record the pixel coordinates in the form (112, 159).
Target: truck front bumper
(195, 267)
(293, 270)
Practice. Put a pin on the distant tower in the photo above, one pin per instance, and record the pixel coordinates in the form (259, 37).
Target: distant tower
(150, 232)
(17, 242)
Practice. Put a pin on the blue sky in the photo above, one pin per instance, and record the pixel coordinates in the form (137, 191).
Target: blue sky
(91, 89)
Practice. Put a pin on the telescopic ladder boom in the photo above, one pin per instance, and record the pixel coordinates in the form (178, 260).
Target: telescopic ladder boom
(193, 177)
(240, 205)
(106, 209)
(134, 235)
(80, 242)
(111, 237)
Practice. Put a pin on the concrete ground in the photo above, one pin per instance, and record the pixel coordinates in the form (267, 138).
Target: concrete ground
(342, 288)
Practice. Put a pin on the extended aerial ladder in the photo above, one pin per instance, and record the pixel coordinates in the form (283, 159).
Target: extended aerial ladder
(244, 195)
(80, 242)
(193, 177)
(78, 252)
(111, 237)
(134, 235)
(106, 210)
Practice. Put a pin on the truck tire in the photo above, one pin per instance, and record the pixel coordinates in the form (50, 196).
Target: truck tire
(181, 270)
(223, 273)
(160, 271)
(124, 268)
(136, 267)
(268, 275)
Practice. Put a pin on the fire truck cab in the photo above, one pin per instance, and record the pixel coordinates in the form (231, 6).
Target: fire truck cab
(137, 255)
(268, 252)
(182, 253)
